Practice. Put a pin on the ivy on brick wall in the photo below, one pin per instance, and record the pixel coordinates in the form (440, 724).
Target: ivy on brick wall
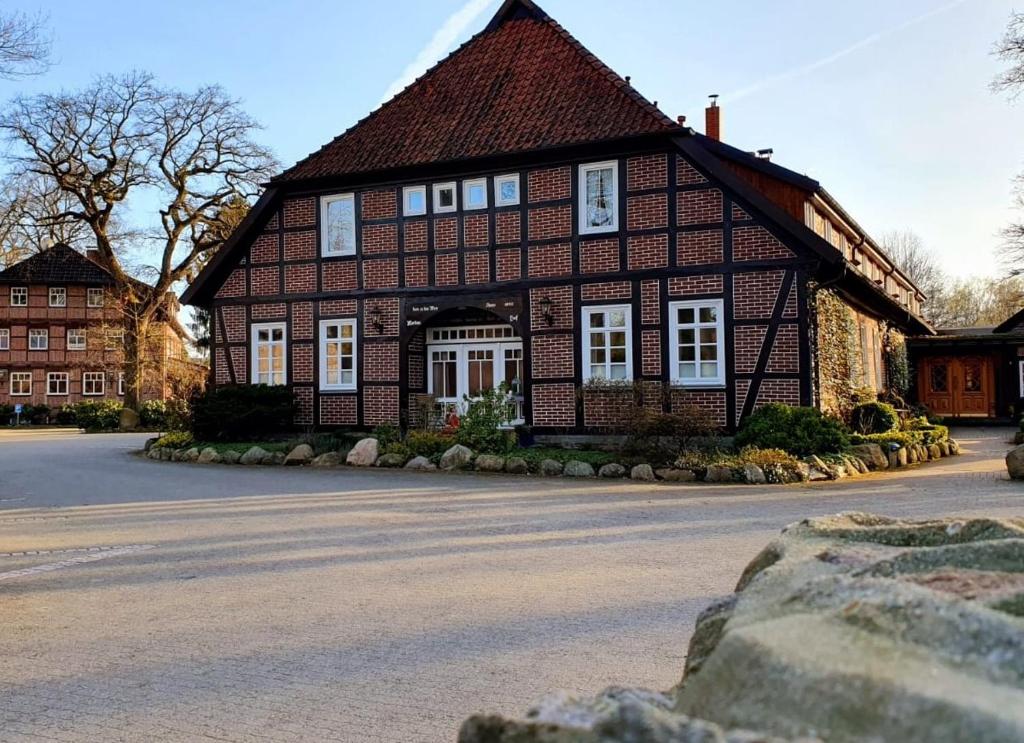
(897, 364)
(838, 353)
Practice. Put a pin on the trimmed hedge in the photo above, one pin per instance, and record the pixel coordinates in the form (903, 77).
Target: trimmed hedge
(874, 417)
(242, 412)
(799, 431)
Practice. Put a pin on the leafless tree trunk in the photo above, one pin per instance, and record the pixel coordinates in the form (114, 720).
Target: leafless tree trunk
(24, 45)
(1010, 49)
(126, 135)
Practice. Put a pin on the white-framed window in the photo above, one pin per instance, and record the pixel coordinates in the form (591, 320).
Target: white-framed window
(414, 201)
(94, 297)
(120, 384)
(599, 197)
(474, 194)
(76, 339)
(5, 339)
(113, 339)
(697, 342)
(19, 296)
(338, 225)
(57, 383)
(93, 383)
(607, 342)
(269, 354)
(58, 296)
(444, 198)
(506, 190)
(338, 354)
(21, 384)
(38, 339)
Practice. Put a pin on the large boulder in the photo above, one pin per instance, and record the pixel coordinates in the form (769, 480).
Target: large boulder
(550, 468)
(642, 472)
(127, 420)
(671, 474)
(489, 463)
(934, 452)
(517, 466)
(254, 455)
(391, 460)
(420, 463)
(327, 459)
(872, 454)
(612, 470)
(1015, 463)
(719, 473)
(230, 457)
(190, 455)
(456, 458)
(273, 458)
(209, 455)
(364, 453)
(301, 454)
(753, 474)
(576, 468)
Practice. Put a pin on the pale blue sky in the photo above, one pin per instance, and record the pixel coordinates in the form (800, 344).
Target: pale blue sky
(886, 103)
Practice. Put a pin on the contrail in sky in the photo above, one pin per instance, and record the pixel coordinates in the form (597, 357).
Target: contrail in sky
(439, 43)
(835, 56)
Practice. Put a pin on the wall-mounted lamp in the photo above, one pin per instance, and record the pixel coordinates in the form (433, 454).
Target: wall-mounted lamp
(377, 320)
(546, 310)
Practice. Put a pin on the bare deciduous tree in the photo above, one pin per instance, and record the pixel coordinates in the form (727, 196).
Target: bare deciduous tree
(908, 251)
(29, 218)
(124, 137)
(24, 45)
(1010, 49)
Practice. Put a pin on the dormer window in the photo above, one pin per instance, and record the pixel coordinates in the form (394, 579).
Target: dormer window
(599, 209)
(444, 198)
(474, 194)
(58, 296)
(414, 201)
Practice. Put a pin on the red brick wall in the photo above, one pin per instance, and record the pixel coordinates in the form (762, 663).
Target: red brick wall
(478, 267)
(554, 405)
(550, 260)
(699, 248)
(599, 256)
(380, 238)
(547, 222)
(757, 244)
(647, 212)
(552, 355)
(699, 207)
(508, 225)
(549, 184)
(382, 204)
(646, 172)
(647, 251)
(380, 362)
(754, 294)
(475, 233)
(299, 246)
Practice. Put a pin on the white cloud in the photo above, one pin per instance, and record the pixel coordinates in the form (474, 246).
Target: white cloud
(439, 44)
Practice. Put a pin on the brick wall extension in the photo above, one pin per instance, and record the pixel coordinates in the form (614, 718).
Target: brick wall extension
(754, 294)
(599, 256)
(380, 238)
(703, 206)
(380, 406)
(475, 232)
(546, 261)
(785, 355)
(548, 222)
(554, 405)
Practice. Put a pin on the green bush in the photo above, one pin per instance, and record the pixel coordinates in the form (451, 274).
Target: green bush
(480, 427)
(427, 444)
(37, 415)
(242, 412)
(799, 431)
(175, 440)
(153, 414)
(874, 417)
(660, 437)
(900, 438)
(778, 466)
(65, 415)
(386, 434)
(6, 413)
(98, 415)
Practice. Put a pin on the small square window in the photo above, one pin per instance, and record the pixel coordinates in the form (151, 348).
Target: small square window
(474, 194)
(506, 190)
(94, 297)
(5, 339)
(19, 296)
(58, 296)
(57, 383)
(38, 339)
(21, 384)
(414, 200)
(444, 198)
(114, 340)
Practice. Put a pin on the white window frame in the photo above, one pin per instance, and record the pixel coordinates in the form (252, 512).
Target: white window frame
(322, 353)
(500, 179)
(325, 203)
(35, 333)
(407, 210)
(20, 377)
(586, 229)
(585, 331)
(92, 292)
(120, 384)
(438, 187)
(113, 340)
(5, 339)
(22, 293)
(57, 291)
(673, 341)
(91, 378)
(77, 346)
(472, 183)
(52, 377)
(254, 351)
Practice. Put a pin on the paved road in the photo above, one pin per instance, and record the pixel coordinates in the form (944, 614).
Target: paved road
(181, 602)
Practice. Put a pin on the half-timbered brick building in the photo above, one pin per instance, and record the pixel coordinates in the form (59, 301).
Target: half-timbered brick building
(521, 214)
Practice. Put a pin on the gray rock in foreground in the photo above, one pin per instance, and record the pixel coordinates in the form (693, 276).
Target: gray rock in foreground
(420, 463)
(301, 454)
(456, 458)
(255, 455)
(576, 468)
(851, 628)
(1015, 463)
(364, 453)
(490, 463)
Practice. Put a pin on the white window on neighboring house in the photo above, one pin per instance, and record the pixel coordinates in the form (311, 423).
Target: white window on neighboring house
(598, 207)
(94, 297)
(93, 383)
(506, 190)
(58, 296)
(338, 225)
(5, 339)
(19, 296)
(696, 343)
(444, 198)
(607, 343)
(269, 354)
(21, 384)
(38, 339)
(57, 383)
(76, 339)
(414, 201)
(337, 354)
(474, 194)
(114, 340)
(120, 384)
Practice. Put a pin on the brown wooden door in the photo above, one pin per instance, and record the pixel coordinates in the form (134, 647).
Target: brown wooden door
(958, 386)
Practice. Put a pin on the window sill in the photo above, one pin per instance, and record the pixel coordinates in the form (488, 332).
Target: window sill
(339, 390)
(715, 387)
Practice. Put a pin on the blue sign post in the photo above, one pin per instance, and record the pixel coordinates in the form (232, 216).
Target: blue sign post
(17, 414)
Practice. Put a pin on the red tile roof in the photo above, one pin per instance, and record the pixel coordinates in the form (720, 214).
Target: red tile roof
(59, 264)
(523, 83)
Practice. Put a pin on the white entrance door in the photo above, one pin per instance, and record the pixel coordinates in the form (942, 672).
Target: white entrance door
(465, 362)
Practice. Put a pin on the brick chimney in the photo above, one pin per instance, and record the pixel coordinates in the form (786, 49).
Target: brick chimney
(713, 119)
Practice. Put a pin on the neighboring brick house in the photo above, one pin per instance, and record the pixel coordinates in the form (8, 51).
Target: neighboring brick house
(521, 214)
(60, 334)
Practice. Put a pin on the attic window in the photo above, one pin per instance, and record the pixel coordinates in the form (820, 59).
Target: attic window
(338, 225)
(414, 201)
(94, 297)
(474, 194)
(506, 190)
(598, 207)
(19, 296)
(444, 198)
(58, 296)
